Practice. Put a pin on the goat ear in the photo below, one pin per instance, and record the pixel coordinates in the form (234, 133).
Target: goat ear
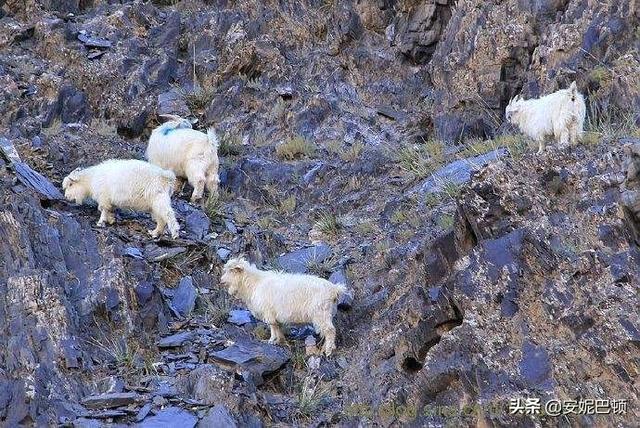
(237, 265)
(573, 87)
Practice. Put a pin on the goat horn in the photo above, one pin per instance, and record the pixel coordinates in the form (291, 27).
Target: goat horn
(170, 116)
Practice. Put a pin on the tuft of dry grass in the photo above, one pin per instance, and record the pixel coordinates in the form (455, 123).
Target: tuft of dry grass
(608, 123)
(230, 145)
(310, 397)
(103, 128)
(295, 148)
(53, 129)
(288, 205)
(367, 228)
(199, 97)
(446, 221)
(420, 160)
(351, 153)
(214, 205)
(215, 309)
(328, 224)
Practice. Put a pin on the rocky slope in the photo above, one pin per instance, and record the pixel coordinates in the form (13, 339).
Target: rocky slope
(350, 136)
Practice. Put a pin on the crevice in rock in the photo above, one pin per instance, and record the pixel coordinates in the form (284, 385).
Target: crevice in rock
(414, 363)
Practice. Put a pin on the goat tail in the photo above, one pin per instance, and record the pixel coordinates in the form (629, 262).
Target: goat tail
(213, 137)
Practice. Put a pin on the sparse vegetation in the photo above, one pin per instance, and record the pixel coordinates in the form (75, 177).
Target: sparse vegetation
(199, 97)
(298, 358)
(310, 397)
(288, 205)
(366, 228)
(607, 122)
(355, 183)
(328, 224)
(322, 268)
(600, 75)
(230, 145)
(445, 221)
(53, 129)
(421, 160)
(451, 189)
(334, 147)
(405, 216)
(516, 144)
(103, 128)
(214, 309)
(432, 199)
(262, 331)
(279, 110)
(214, 205)
(295, 148)
(267, 222)
(352, 153)
(477, 147)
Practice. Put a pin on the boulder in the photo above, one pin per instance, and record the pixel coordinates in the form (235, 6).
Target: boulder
(298, 261)
(170, 416)
(110, 400)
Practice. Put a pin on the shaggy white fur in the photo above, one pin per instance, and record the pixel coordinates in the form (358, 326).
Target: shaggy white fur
(559, 115)
(189, 153)
(279, 297)
(130, 184)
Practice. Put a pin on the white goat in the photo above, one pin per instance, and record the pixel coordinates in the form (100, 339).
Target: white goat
(130, 184)
(189, 153)
(559, 115)
(278, 297)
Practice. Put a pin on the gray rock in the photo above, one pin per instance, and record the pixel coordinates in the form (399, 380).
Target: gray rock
(27, 176)
(207, 384)
(535, 366)
(143, 412)
(223, 253)
(134, 252)
(170, 417)
(110, 400)
(172, 102)
(36, 142)
(175, 340)
(252, 358)
(71, 106)
(112, 385)
(196, 221)
(231, 227)
(218, 417)
(250, 176)
(391, 113)
(417, 33)
(314, 172)
(184, 299)
(459, 172)
(298, 261)
(345, 300)
(94, 42)
(240, 317)
(155, 253)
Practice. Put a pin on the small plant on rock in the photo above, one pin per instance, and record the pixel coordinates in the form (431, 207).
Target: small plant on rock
(295, 148)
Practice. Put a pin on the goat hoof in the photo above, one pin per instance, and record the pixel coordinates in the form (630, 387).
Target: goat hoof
(153, 233)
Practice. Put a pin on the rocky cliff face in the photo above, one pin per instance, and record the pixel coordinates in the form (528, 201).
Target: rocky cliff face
(361, 141)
